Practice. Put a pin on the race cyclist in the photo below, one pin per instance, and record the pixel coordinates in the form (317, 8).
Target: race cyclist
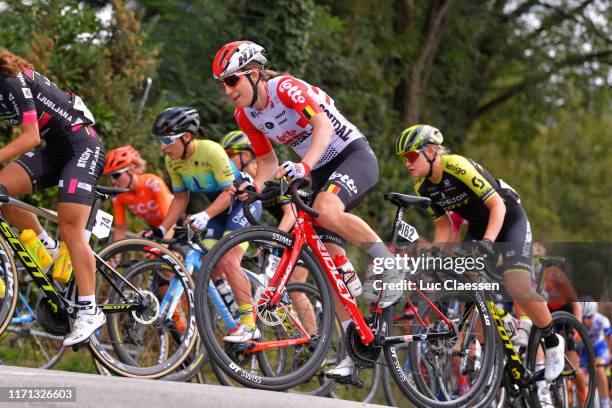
(238, 147)
(71, 158)
(333, 152)
(494, 214)
(202, 166)
(148, 197)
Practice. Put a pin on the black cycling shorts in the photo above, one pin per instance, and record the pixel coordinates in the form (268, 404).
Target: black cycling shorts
(73, 162)
(514, 242)
(350, 176)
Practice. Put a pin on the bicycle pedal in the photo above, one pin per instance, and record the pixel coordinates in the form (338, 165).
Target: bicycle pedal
(76, 347)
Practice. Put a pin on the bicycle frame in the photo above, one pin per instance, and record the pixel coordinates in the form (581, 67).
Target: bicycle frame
(304, 234)
(56, 301)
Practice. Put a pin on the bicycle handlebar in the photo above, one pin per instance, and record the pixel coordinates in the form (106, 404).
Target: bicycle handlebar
(293, 191)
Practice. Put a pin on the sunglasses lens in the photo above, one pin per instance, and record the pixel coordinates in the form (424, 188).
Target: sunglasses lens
(412, 156)
(231, 80)
(168, 140)
(115, 176)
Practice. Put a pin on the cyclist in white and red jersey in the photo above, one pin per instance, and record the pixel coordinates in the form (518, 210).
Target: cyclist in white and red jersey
(333, 152)
(72, 158)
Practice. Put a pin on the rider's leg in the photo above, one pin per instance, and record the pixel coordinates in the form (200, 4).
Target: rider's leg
(352, 228)
(602, 382)
(18, 182)
(72, 220)
(517, 283)
(302, 303)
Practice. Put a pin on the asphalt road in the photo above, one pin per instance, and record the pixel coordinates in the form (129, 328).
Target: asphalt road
(102, 391)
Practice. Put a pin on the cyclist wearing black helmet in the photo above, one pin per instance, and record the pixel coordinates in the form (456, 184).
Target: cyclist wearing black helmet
(202, 166)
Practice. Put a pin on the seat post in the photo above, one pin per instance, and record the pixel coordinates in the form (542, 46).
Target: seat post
(92, 215)
(398, 217)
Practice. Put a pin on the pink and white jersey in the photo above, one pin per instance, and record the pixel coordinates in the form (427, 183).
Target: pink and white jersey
(286, 119)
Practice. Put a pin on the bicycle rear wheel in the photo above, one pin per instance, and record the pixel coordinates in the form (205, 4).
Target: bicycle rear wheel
(144, 343)
(255, 363)
(579, 363)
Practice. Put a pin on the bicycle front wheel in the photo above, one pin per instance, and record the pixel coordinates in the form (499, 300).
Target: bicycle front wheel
(152, 341)
(292, 345)
(430, 372)
(8, 285)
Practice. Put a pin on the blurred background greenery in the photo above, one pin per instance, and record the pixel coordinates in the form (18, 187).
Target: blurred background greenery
(521, 86)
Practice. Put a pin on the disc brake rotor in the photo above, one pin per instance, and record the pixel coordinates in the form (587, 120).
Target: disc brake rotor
(151, 313)
(270, 316)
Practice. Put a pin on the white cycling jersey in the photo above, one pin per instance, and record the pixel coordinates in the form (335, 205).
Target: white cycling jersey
(600, 328)
(291, 103)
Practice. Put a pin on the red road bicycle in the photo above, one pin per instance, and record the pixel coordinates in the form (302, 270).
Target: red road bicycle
(296, 332)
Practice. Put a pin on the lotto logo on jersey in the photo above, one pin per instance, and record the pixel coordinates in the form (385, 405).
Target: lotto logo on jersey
(292, 91)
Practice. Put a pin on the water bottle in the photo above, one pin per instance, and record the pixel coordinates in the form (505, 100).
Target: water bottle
(62, 270)
(349, 276)
(509, 324)
(226, 294)
(36, 248)
(272, 263)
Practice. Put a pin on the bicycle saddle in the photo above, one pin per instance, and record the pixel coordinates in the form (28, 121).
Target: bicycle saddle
(404, 200)
(109, 192)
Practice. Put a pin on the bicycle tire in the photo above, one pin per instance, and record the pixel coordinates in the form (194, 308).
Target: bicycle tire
(166, 367)
(10, 280)
(412, 392)
(282, 240)
(564, 319)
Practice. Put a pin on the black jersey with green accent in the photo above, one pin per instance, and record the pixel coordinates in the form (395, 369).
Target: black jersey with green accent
(276, 209)
(464, 187)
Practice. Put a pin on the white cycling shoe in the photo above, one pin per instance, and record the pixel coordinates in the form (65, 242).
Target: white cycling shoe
(243, 334)
(392, 287)
(344, 369)
(84, 326)
(555, 360)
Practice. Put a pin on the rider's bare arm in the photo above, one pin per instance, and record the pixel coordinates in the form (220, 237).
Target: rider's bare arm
(26, 141)
(177, 208)
(497, 212)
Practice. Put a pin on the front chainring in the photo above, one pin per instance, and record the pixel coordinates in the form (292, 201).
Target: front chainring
(56, 324)
(364, 356)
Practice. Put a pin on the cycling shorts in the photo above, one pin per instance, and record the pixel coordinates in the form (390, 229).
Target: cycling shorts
(514, 242)
(73, 163)
(350, 175)
(600, 350)
(233, 221)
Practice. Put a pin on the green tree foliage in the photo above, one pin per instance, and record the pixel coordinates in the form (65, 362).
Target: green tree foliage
(499, 77)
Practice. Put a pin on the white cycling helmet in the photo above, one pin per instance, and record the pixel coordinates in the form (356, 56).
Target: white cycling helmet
(235, 55)
(588, 308)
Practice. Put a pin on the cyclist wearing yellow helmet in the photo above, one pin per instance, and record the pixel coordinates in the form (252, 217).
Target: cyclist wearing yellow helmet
(494, 213)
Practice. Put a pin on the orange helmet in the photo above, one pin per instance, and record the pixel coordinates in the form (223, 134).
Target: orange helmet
(120, 158)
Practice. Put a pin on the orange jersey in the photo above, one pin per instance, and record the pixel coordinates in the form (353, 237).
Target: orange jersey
(150, 201)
